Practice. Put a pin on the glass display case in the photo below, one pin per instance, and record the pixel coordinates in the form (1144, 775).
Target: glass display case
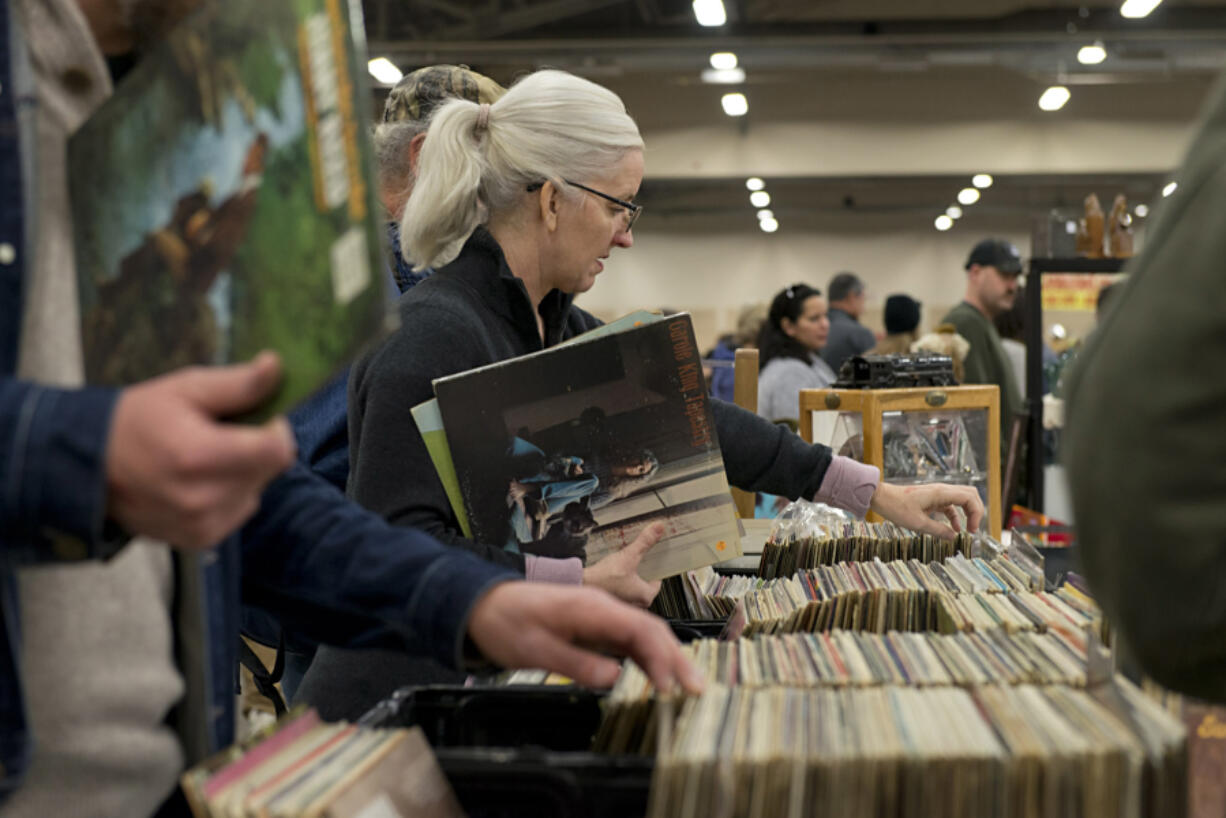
(920, 435)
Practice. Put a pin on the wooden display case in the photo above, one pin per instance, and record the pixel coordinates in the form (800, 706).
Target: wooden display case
(837, 417)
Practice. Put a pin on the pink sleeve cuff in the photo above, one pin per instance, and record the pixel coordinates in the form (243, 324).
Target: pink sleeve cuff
(848, 484)
(548, 569)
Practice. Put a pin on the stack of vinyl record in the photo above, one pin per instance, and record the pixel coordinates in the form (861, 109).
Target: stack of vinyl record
(849, 659)
(959, 594)
(855, 542)
(994, 750)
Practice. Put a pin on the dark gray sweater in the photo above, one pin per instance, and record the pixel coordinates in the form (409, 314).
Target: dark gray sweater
(474, 312)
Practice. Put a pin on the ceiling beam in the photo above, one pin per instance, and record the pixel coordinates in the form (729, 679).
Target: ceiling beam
(451, 9)
(490, 20)
(1156, 53)
(532, 15)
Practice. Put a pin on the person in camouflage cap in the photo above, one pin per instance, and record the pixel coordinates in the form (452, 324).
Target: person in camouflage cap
(398, 139)
(406, 115)
(417, 94)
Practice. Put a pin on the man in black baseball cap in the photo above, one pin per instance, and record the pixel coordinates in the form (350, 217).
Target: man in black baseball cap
(993, 270)
(997, 253)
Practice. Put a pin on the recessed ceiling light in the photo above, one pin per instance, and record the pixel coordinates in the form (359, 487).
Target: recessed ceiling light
(982, 180)
(1142, 210)
(754, 183)
(727, 76)
(943, 222)
(1053, 98)
(384, 70)
(1138, 8)
(1091, 54)
(768, 225)
(735, 104)
(953, 212)
(723, 60)
(968, 195)
(1169, 189)
(766, 214)
(710, 12)
(759, 198)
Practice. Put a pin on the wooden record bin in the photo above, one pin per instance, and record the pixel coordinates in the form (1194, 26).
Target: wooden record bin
(836, 416)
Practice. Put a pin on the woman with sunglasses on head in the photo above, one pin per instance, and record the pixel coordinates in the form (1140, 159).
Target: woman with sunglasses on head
(516, 206)
(793, 334)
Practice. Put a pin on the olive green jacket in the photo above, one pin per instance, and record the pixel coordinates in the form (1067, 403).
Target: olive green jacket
(1146, 436)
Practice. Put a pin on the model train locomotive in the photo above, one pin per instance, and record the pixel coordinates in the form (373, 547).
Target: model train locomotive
(895, 371)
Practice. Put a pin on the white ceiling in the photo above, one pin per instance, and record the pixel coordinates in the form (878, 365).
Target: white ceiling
(849, 63)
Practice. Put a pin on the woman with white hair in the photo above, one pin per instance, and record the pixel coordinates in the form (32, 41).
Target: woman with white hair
(517, 206)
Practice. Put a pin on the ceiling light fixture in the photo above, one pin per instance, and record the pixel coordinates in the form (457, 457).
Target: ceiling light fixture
(1169, 189)
(943, 223)
(735, 104)
(759, 198)
(710, 12)
(1142, 210)
(725, 76)
(968, 195)
(384, 70)
(1091, 54)
(1053, 98)
(1135, 9)
(953, 212)
(754, 183)
(723, 61)
(982, 180)
(768, 225)
(766, 214)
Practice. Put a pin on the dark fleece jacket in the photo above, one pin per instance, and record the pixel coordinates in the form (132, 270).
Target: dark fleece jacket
(474, 312)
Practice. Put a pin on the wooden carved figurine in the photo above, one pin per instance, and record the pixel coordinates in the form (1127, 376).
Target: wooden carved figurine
(1120, 227)
(1090, 230)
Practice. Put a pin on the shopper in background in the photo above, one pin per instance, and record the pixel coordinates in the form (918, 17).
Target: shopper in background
(1145, 439)
(847, 335)
(748, 325)
(902, 317)
(1011, 327)
(945, 340)
(790, 344)
(992, 272)
(115, 673)
(321, 424)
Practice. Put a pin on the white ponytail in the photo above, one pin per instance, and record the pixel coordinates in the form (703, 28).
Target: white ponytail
(549, 126)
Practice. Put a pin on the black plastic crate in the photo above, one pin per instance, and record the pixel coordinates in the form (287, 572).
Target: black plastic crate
(521, 750)
(1058, 560)
(508, 783)
(548, 717)
(689, 630)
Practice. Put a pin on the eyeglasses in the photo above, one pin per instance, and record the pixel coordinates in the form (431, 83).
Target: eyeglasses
(633, 211)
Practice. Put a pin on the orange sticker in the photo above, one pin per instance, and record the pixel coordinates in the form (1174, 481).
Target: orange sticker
(721, 545)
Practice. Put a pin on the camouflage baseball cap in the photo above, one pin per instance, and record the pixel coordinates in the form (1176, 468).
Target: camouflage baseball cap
(417, 94)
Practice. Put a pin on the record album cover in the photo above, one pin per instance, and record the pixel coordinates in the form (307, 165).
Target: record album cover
(575, 450)
(222, 203)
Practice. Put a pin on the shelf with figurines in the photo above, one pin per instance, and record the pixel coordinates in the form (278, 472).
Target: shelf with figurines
(1076, 259)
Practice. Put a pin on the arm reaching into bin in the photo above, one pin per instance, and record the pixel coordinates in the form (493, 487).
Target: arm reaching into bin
(567, 629)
